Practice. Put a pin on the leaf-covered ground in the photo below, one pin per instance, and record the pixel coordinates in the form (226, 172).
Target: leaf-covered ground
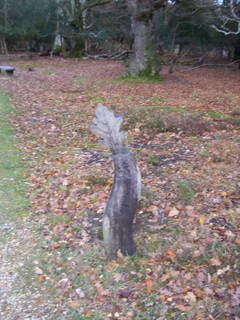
(184, 133)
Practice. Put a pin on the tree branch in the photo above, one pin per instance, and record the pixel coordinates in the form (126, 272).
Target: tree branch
(135, 8)
(229, 16)
(95, 4)
(225, 30)
(210, 65)
(233, 5)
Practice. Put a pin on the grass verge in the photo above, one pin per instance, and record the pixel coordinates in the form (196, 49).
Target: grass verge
(19, 250)
(12, 187)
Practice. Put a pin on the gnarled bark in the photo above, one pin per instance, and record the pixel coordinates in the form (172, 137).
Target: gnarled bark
(121, 206)
(144, 60)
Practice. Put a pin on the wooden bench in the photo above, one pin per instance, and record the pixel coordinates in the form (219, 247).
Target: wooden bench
(6, 70)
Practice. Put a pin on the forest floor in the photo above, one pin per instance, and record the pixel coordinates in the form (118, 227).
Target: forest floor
(56, 178)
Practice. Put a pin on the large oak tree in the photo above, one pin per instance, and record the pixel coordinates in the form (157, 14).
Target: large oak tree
(144, 60)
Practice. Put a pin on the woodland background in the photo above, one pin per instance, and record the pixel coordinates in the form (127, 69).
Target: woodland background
(86, 27)
(183, 129)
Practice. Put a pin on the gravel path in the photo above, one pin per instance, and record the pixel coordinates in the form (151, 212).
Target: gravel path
(20, 296)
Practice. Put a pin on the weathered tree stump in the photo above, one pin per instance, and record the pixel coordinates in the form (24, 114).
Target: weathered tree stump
(121, 206)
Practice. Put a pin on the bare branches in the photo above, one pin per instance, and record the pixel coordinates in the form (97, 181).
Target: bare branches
(142, 9)
(229, 15)
(226, 30)
(235, 10)
(224, 65)
(95, 4)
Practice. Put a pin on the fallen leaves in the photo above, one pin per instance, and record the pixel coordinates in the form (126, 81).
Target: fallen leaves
(198, 292)
(201, 219)
(164, 277)
(74, 304)
(149, 285)
(40, 275)
(190, 296)
(187, 221)
(117, 276)
(182, 307)
(169, 254)
(215, 261)
(38, 271)
(173, 213)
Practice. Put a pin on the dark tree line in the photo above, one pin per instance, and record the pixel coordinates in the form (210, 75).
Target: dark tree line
(143, 29)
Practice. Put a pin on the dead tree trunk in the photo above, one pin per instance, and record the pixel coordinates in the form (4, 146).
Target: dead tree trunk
(122, 203)
(3, 45)
(121, 207)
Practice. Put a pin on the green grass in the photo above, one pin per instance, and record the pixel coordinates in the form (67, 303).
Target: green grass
(165, 119)
(12, 186)
(153, 159)
(47, 72)
(215, 114)
(97, 99)
(140, 79)
(14, 210)
(184, 191)
(170, 109)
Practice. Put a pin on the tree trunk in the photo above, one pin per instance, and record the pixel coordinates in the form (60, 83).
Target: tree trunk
(119, 213)
(3, 46)
(144, 60)
(142, 51)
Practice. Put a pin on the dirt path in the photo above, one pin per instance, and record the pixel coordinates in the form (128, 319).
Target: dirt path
(21, 297)
(15, 249)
